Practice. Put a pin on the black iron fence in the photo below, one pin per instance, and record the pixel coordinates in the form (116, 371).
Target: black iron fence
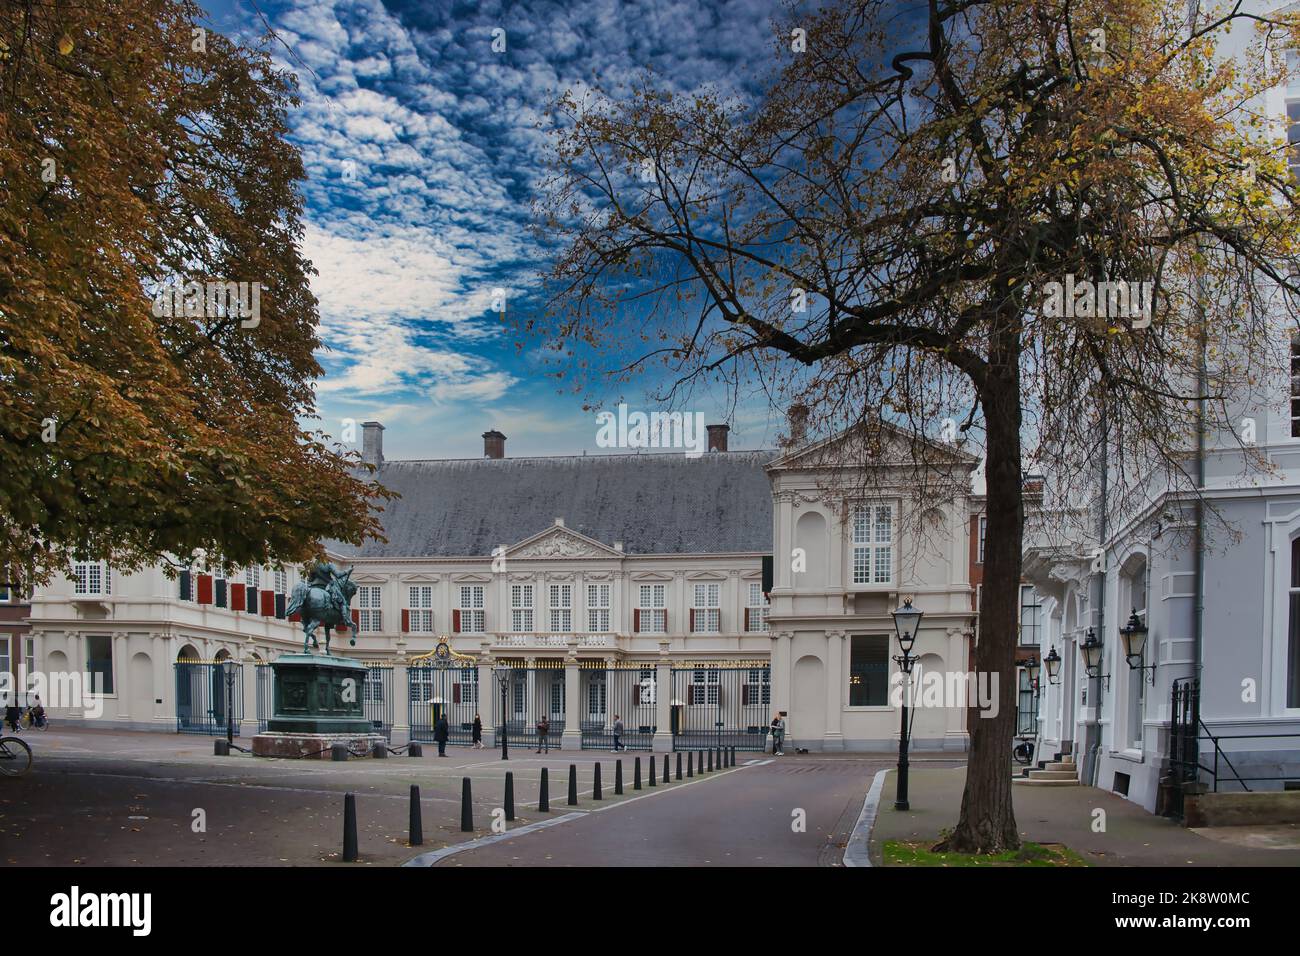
(203, 699)
(721, 705)
(441, 691)
(613, 693)
(524, 695)
(377, 697)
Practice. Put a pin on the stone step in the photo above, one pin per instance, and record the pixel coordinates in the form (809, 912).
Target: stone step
(1061, 765)
(1053, 775)
(1032, 782)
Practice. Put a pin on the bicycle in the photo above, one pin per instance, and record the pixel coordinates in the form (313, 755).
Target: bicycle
(1024, 752)
(15, 757)
(28, 721)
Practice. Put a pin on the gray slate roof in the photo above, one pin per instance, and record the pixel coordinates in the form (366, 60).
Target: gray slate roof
(654, 503)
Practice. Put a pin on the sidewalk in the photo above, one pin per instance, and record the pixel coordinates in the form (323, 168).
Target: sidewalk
(1065, 815)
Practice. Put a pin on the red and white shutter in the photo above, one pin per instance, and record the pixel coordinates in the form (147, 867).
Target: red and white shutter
(406, 621)
(455, 620)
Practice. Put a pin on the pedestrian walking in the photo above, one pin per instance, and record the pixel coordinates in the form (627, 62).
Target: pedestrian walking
(440, 733)
(618, 733)
(778, 736)
(543, 729)
(478, 732)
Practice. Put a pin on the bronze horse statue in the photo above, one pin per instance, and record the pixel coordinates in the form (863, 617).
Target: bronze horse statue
(324, 599)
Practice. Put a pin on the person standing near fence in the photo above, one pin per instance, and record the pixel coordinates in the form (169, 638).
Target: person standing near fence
(478, 732)
(440, 734)
(618, 732)
(778, 736)
(543, 730)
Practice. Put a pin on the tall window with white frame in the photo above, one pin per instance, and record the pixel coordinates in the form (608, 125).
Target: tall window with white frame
(470, 616)
(706, 613)
(873, 543)
(370, 604)
(521, 608)
(419, 605)
(652, 609)
(1137, 685)
(1293, 630)
(6, 668)
(983, 530)
(1030, 615)
(598, 608)
(92, 578)
(756, 610)
(561, 608)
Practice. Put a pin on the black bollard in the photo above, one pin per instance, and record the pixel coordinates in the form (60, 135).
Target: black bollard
(595, 786)
(543, 797)
(220, 748)
(379, 750)
(338, 752)
(710, 761)
(719, 758)
(510, 795)
(466, 807)
(733, 756)
(349, 828)
(414, 750)
(636, 774)
(699, 760)
(651, 767)
(618, 777)
(417, 828)
(667, 777)
(690, 763)
(679, 765)
(573, 785)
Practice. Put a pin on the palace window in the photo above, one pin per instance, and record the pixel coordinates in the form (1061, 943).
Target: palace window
(280, 581)
(469, 687)
(1030, 616)
(873, 544)
(521, 608)
(419, 607)
(758, 688)
(92, 578)
(705, 685)
(652, 609)
(253, 577)
(596, 697)
(983, 530)
(705, 612)
(1293, 631)
(470, 616)
(561, 606)
(756, 612)
(598, 608)
(869, 671)
(371, 617)
(99, 663)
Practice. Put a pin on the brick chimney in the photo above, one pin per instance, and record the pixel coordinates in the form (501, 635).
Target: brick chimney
(797, 417)
(718, 437)
(372, 443)
(494, 444)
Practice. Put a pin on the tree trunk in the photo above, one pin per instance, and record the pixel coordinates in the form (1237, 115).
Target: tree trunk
(987, 823)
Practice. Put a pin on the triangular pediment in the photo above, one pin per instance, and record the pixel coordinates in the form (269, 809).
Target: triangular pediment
(561, 542)
(876, 445)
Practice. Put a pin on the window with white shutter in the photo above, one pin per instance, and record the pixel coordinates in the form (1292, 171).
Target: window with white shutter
(561, 607)
(652, 609)
(706, 615)
(873, 544)
(521, 608)
(470, 612)
(420, 605)
(598, 608)
(369, 602)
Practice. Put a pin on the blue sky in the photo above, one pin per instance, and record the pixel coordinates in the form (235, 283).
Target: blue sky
(422, 151)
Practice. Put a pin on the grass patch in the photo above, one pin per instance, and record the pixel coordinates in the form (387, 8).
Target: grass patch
(901, 853)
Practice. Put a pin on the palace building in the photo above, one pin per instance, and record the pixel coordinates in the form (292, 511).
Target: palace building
(692, 597)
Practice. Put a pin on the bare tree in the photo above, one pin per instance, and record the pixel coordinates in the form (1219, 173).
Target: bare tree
(1045, 220)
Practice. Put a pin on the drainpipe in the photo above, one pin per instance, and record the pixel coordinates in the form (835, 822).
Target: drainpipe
(1103, 529)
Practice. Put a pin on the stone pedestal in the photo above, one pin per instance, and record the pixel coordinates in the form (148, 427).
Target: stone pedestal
(318, 694)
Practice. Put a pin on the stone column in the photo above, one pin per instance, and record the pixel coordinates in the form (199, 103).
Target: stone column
(663, 738)
(248, 726)
(781, 690)
(122, 675)
(489, 700)
(572, 737)
(402, 698)
(834, 737)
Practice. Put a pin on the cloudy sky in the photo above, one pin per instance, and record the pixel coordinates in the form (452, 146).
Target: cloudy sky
(423, 149)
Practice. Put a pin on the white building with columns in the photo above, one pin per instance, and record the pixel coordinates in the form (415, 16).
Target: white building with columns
(597, 587)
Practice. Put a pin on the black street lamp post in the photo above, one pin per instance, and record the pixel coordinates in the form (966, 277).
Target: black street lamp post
(503, 678)
(907, 620)
(228, 671)
(1134, 635)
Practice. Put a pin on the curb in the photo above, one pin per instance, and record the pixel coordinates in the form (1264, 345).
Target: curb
(857, 849)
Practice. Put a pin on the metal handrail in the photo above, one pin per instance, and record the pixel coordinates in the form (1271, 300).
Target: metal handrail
(1214, 739)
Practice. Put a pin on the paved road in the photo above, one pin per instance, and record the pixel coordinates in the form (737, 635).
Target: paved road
(744, 817)
(115, 798)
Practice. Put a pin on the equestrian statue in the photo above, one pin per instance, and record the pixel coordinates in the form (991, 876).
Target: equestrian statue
(323, 599)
